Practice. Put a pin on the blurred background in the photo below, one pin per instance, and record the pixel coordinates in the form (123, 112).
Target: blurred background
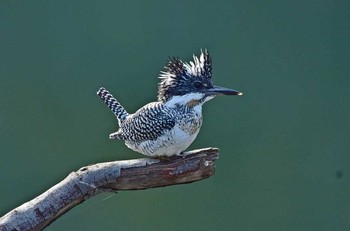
(284, 145)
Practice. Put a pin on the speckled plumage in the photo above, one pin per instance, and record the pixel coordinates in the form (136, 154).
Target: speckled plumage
(167, 127)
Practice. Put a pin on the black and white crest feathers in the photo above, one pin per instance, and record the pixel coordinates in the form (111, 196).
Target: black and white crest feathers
(178, 75)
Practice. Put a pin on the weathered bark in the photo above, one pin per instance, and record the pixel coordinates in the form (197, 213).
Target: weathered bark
(109, 177)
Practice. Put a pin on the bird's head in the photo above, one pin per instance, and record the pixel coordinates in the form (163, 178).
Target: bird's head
(183, 82)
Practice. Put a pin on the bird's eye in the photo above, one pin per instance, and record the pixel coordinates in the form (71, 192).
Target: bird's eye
(198, 85)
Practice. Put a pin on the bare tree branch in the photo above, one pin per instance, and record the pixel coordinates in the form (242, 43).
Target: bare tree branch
(91, 180)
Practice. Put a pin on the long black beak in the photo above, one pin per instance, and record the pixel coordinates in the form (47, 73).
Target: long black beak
(217, 90)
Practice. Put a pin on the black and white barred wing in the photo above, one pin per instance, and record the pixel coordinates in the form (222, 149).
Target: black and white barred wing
(148, 123)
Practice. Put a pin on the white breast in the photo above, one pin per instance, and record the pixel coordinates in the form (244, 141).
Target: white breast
(171, 143)
(174, 141)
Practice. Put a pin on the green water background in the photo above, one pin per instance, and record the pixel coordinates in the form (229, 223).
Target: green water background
(284, 162)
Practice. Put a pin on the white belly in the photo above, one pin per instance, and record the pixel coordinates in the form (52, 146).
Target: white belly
(172, 143)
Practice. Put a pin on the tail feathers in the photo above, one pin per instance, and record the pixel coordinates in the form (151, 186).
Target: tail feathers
(113, 104)
(116, 135)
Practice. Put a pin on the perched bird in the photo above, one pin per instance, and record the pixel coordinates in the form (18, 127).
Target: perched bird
(169, 125)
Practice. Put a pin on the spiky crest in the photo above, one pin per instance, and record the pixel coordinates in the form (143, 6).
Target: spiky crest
(178, 73)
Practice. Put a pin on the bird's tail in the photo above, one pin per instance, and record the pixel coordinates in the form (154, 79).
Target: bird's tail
(117, 109)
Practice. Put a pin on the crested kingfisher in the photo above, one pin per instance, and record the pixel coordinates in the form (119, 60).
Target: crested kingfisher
(169, 125)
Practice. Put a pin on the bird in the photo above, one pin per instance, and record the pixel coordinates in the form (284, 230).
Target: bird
(168, 126)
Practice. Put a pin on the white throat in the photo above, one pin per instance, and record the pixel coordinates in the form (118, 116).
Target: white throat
(184, 99)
